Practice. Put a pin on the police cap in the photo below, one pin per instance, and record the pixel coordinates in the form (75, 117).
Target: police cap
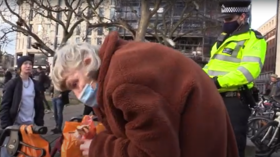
(231, 8)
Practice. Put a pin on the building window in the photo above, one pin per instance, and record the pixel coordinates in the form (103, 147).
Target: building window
(101, 12)
(48, 28)
(112, 13)
(88, 40)
(59, 15)
(99, 41)
(78, 39)
(89, 31)
(112, 2)
(100, 31)
(29, 42)
(78, 30)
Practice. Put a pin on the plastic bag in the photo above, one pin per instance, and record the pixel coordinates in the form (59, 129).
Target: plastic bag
(34, 140)
(71, 142)
(87, 121)
(70, 145)
(99, 128)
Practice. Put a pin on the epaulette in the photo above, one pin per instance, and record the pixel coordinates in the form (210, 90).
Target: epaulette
(258, 34)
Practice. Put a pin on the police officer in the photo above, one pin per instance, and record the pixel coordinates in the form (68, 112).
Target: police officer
(236, 61)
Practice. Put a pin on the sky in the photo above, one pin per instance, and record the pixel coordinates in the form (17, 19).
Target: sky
(262, 11)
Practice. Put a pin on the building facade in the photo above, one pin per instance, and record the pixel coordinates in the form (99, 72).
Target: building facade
(196, 33)
(268, 30)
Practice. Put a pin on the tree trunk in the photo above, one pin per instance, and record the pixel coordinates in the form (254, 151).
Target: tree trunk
(144, 21)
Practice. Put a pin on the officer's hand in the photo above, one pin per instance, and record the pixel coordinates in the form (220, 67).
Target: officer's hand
(216, 82)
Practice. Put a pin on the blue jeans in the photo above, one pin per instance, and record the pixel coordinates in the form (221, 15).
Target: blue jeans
(58, 111)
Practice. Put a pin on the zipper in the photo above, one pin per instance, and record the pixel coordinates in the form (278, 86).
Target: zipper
(18, 108)
(19, 105)
(17, 111)
(217, 49)
(228, 41)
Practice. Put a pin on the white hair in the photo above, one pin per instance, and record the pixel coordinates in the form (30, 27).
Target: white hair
(70, 57)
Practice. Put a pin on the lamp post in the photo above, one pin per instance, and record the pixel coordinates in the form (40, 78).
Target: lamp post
(277, 64)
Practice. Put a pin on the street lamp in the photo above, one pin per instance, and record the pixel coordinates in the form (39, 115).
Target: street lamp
(277, 64)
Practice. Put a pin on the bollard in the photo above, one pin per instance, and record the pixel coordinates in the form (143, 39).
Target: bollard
(250, 149)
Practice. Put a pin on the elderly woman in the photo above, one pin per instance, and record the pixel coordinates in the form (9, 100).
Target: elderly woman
(153, 101)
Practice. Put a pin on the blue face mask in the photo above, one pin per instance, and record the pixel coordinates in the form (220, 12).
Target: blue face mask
(89, 96)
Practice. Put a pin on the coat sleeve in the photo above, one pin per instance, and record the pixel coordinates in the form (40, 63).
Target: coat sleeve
(6, 104)
(148, 127)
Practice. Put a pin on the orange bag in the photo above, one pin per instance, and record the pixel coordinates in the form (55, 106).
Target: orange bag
(87, 120)
(34, 140)
(70, 145)
(99, 128)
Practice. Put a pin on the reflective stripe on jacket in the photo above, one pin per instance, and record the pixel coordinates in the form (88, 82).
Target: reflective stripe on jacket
(238, 61)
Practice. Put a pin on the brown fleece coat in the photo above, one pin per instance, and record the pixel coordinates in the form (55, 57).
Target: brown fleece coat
(154, 102)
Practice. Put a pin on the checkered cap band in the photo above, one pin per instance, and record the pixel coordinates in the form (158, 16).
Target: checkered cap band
(234, 9)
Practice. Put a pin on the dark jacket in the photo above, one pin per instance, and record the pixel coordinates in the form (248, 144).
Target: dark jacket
(8, 77)
(275, 90)
(11, 100)
(41, 80)
(65, 97)
(174, 111)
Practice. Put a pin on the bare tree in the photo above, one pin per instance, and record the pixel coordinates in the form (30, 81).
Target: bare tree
(5, 37)
(148, 10)
(180, 18)
(54, 17)
(163, 19)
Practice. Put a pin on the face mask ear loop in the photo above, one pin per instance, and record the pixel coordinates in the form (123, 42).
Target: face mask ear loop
(82, 92)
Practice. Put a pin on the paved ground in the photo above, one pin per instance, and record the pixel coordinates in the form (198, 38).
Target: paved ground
(69, 112)
(250, 148)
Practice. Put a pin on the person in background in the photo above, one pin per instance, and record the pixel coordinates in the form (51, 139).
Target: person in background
(274, 87)
(17, 71)
(59, 100)
(8, 76)
(48, 69)
(34, 74)
(255, 93)
(21, 102)
(42, 79)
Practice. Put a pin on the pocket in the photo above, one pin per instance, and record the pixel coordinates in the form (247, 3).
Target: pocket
(229, 48)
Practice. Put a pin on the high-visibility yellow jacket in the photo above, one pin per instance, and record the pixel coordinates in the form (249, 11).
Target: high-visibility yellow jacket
(237, 61)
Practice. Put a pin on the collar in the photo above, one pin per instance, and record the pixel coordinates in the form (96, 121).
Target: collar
(242, 29)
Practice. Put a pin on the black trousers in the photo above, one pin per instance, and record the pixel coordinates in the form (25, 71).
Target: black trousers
(239, 114)
(45, 100)
(88, 110)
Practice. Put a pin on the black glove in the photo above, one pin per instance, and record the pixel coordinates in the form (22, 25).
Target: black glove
(215, 80)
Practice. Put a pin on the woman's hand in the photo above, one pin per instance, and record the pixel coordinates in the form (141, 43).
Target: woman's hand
(84, 147)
